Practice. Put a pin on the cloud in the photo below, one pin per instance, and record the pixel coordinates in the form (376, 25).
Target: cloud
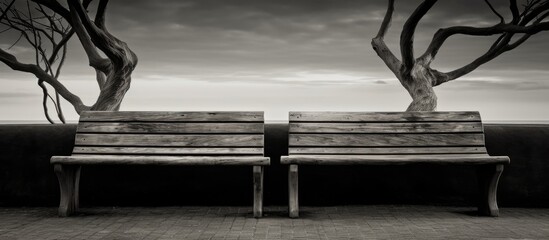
(486, 80)
(302, 78)
(12, 95)
(15, 50)
(380, 82)
(301, 44)
(213, 38)
(276, 41)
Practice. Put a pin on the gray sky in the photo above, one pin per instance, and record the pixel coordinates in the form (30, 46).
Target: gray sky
(283, 55)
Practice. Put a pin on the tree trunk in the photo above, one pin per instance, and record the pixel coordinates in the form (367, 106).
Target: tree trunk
(419, 83)
(117, 82)
(113, 92)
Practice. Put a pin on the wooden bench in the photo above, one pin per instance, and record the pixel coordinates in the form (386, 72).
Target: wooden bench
(387, 138)
(163, 138)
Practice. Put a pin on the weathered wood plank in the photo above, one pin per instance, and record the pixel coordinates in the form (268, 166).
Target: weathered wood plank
(69, 180)
(393, 159)
(488, 178)
(293, 191)
(160, 160)
(383, 116)
(258, 191)
(366, 140)
(152, 116)
(408, 127)
(386, 150)
(148, 127)
(167, 150)
(168, 140)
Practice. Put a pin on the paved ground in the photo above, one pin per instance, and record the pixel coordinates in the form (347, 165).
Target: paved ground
(349, 222)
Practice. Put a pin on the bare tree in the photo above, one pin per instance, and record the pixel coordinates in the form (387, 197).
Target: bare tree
(416, 74)
(47, 26)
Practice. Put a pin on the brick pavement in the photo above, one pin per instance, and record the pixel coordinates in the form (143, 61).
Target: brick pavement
(346, 222)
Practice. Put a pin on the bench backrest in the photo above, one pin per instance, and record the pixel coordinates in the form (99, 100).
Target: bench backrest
(373, 133)
(170, 133)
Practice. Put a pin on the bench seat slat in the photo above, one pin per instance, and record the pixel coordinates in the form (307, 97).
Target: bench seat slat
(393, 159)
(149, 127)
(383, 116)
(473, 139)
(168, 140)
(160, 160)
(415, 127)
(130, 116)
(168, 150)
(387, 150)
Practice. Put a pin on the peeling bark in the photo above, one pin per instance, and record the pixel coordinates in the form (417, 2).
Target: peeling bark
(420, 88)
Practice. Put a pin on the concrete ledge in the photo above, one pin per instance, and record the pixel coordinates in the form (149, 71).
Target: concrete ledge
(27, 179)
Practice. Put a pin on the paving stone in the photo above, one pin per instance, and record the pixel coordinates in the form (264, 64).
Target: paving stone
(340, 222)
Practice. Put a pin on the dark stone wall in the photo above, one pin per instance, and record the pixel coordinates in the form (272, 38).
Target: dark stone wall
(27, 179)
(527, 176)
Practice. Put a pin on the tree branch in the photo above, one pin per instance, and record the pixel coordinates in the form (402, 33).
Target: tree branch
(12, 62)
(55, 7)
(100, 15)
(502, 47)
(532, 10)
(526, 36)
(96, 35)
(33, 30)
(387, 56)
(61, 44)
(499, 40)
(442, 34)
(486, 57)
(59, 109)
(6, 10)
(381, 48)
(514, 10)
(386, 20)
(113, 72)
(94, 57)
(407, 34)
(501, 19)
(45, 96)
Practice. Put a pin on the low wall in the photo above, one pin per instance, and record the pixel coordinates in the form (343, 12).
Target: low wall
(27, 179)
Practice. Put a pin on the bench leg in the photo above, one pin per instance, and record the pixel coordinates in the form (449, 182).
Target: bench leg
(258, 191)
(488, 177)
(69, 181)
(293, 191)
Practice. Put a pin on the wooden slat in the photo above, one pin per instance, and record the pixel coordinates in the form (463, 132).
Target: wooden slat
(168, 140)
(366, 140)
(386, 150)
(147, 127)
(129, 116)
(167, 151)
(392, 159)
(383, 116)
(415, 127)
(159, 160)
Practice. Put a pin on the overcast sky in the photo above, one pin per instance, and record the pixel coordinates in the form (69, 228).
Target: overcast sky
(282, 55)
